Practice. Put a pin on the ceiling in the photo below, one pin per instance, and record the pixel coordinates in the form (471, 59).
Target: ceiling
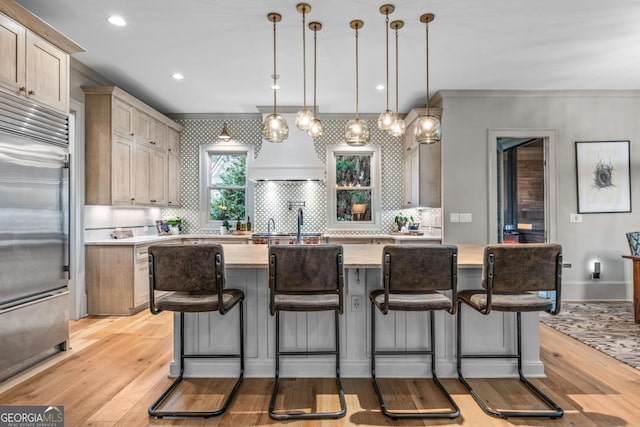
(224, 49)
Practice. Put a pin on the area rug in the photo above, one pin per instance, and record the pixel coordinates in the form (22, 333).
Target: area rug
(608, 327)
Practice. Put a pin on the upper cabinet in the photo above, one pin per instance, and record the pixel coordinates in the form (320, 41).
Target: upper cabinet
(130, 151)
(34, 60)
(421, 167)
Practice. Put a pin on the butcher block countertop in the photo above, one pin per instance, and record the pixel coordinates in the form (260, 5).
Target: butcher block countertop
(355, 256)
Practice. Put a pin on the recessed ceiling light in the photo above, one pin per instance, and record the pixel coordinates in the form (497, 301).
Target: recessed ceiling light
(118, 21)
(380, 87)
(177, 76)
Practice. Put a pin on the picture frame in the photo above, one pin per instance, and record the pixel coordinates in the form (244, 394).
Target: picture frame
(603, 176)
(163, 227)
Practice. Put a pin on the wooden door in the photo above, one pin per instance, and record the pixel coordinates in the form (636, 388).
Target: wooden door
(12, 47)
(142, 175)
(159, 135)
(143, 127)
(173, 184)
(122, 158)
(47, 76)
(123, 120)
(158, 178)
(173, 142)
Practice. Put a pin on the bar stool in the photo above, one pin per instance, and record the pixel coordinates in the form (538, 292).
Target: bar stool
(412, 275)
(512, 276)
(193, 278)
(306, 278)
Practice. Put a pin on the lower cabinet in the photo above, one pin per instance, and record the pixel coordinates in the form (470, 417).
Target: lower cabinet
(117, 279)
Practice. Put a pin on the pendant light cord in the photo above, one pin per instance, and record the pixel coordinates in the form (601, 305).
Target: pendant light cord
(427, 55)
(315, 56)
(386, 28)
(274, 67)
(304, 62)
(357, 117)
(396, 72)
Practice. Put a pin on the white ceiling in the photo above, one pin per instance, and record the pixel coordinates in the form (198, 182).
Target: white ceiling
(224, 49)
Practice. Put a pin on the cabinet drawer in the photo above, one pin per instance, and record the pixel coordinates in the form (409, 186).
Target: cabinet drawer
(142, 253)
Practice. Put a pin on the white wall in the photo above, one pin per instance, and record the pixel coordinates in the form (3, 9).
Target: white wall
(574, 116)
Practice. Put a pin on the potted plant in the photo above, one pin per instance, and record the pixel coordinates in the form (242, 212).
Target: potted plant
(401, 220)
(175, 222)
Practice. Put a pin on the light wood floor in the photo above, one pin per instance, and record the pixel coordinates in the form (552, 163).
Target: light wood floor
(118, 365)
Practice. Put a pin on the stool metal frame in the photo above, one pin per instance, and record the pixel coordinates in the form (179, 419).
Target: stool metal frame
(218, 270)
(293, 266)
(445, 279)
(534, 255)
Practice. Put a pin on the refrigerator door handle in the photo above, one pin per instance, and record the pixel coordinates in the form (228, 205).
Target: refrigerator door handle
(66, 206)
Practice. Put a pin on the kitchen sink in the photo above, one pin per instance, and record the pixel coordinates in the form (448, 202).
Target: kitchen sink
(280, 238)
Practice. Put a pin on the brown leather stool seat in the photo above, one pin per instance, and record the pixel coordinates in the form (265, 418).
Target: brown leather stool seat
(413, 277)
(306, 278)
(513, 275)
(192, 278)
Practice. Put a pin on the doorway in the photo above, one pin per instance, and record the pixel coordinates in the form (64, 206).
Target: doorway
(522, 186)
(521, 190)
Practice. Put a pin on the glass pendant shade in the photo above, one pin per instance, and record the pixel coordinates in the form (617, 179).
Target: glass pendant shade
(275, 128)
(304, 119)
(385, 120)
(316, 129)
(398, 128)
(428, 130)
(357, 133)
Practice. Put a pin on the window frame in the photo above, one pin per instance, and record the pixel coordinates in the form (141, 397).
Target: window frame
(376, 183)
(205, 186)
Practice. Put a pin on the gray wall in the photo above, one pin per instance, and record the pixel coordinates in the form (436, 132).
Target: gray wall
(574, 116)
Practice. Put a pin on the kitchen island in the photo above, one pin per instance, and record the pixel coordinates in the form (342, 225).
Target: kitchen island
(246, 269)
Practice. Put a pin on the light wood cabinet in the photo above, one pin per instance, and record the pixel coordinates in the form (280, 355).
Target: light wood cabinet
(421, 167)
(32, 67)
(140, 176)
(117, 279)
(173, 168)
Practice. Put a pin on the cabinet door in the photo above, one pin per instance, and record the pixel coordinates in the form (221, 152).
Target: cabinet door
(415, 178)
(141, 276)
(122, 162)
(143, 127)
(12, 48)
(47, 75)
(123, 120)
(173, 184)
(159, 135)
(142, 174)
(408, 182)
(158, 178)
(173, 142)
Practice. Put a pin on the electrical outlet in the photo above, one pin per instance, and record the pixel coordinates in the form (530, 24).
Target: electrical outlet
(454, 217)
(356, 303)
(574, 217)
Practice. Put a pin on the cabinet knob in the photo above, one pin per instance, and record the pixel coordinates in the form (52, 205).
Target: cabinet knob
(170, 202)
(169, 149)
(153, 201)
(132, 199)
(22, 89)
(151, 142)
(132, 134)
(31, 92)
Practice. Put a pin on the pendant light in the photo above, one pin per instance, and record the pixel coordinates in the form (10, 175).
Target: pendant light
(224, 134)
(398, 126)
(274, 128)
(385, 119)
(316, 129)
(428, 128)
(357, 131)
(304, 116)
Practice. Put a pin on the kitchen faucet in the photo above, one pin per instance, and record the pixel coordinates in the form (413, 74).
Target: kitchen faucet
(271, 221)
(300, 222)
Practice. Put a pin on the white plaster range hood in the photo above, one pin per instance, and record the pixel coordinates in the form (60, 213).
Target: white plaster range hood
(294, 159)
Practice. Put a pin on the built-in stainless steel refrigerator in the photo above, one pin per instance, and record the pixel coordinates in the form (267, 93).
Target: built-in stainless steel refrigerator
(34, 234)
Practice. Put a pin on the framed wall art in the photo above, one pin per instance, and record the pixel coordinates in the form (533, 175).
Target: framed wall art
(603, 176)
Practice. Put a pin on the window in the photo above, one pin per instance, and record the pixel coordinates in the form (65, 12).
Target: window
(353, 186)
(225, 191)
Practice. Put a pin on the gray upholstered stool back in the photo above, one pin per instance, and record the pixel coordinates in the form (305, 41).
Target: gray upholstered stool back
(522, 267)
(188, 268)
(305, 268)
(419, 268)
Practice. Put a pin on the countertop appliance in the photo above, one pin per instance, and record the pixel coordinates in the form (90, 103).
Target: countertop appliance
(34, 234)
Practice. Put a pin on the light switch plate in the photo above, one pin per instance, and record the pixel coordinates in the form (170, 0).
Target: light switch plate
(454, 217)
(466, 217)
(574, 217)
